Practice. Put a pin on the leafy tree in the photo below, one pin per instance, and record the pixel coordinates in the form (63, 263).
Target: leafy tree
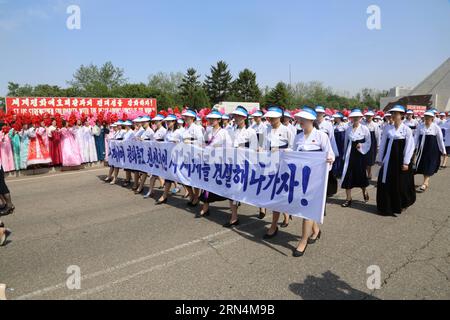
(218, 84)
(98, 81)
(245, 88)
(15, 90)
(279, 96)
(191, 91)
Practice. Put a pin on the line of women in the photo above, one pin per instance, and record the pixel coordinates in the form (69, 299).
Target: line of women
(24, 146)
(353, 146)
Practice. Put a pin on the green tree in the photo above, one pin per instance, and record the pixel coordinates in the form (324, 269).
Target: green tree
(15, 90)
(98, 81)
(192, 94)
(279, 96)
(218, 84)
(167, 82)
(245, 88)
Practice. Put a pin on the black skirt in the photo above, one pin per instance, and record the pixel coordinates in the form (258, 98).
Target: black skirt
(3, 187)
(429, 158)
(332, 187)
(372, 154)
(209, 197)
(356, 175)
(398, 192)
(338, 165)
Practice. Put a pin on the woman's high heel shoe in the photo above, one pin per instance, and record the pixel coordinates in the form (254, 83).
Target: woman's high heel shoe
(298, 254)
(313, 241)
(7, 211)
(366, 197)
(347, 204)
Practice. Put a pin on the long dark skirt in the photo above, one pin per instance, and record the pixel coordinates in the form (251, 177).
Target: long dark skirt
(332, 185)
(3, 187)
(209, 197)
(356, 175)
(338, 165)
(372, 154)
(430, 157)
(398, 192)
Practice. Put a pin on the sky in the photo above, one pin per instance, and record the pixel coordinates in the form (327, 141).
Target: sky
(322, 40)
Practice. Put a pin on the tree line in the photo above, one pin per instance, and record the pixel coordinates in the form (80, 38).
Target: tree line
(187, 90)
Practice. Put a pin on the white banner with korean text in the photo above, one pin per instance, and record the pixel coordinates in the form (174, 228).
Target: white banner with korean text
(284, 181)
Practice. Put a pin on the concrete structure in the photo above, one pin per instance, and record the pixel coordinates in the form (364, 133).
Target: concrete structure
(395, 94)
(437, 84)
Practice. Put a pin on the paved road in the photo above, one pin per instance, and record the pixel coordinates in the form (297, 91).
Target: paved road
(127, 248)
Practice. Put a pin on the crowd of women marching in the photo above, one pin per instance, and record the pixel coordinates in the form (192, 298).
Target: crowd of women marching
(401, 143)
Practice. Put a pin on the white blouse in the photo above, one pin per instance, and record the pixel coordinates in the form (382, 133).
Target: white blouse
(433, 130)
(316, 141)
(193, 135)
(147, 134)
(217, 138)
(276, 138)
(244, 136)
(160, 134)
(391, 133)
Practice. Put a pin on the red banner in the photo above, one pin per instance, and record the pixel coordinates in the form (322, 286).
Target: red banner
(53, 105)
(418, 110)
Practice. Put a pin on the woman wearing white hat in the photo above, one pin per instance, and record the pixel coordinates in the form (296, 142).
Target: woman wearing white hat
(115, 134)
(339, 135)
(446, 135)
(147, 135)
(375, 137)
(259, 126)
(430, 146)
(278, 137)
(160, 133)
(193, 134)
(128, 135)
(215, 137)
(395, 188)
(242, 137)
(171, 136)
(410, 121)
(311, 140)
(358, 142)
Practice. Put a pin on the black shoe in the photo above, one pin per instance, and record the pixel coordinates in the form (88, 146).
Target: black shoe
(313, 241)
(270, 236)
(126, 184)
(347, 204)
(298, 254)
(284, 225)
(366, 197)
(206, 214)
(231, 225)
(160, 202)
(193, 205)
(261, 216)
(7, 211)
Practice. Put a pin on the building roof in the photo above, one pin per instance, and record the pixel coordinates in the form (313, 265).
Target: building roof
(438, 85)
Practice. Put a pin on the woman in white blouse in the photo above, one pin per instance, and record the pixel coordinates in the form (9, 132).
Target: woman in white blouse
(278, 138)
(215, 137)
(357, 144)
(430, 146)
(193, 134)
(311, 140)
(395, 188)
